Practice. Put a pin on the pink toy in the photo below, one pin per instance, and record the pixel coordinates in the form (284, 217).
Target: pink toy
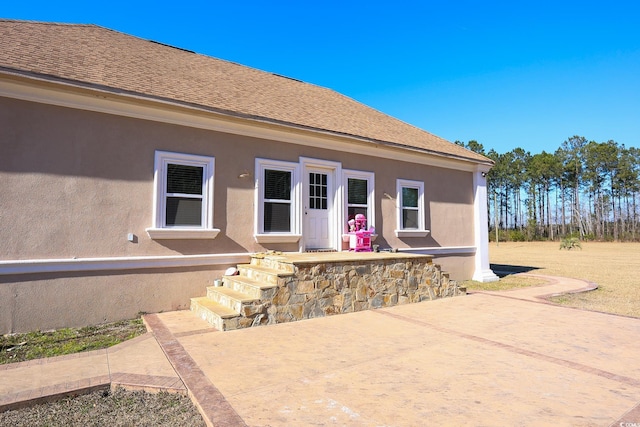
(360, 239)
(363, 241)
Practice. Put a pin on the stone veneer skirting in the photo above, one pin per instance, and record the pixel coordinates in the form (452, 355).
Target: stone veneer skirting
(314, 286)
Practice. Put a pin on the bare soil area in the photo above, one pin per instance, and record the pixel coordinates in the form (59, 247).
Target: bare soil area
(109, 408)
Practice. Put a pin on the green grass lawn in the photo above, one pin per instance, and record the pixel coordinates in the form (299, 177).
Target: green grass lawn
(35, 345)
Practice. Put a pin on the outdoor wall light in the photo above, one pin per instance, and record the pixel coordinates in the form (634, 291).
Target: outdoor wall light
(244, 175)
(388, 196)
(484, 174)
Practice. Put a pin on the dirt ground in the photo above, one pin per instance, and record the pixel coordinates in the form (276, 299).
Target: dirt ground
(109, 408)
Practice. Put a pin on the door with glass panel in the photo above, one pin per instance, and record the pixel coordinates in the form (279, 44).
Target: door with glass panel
(318, 206)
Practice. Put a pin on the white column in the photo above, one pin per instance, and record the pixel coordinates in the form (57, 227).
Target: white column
(483, 272)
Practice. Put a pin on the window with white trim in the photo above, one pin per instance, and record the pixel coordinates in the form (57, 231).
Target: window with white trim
(183, 196)
(277, 201)
(359, 195)
(410, 199)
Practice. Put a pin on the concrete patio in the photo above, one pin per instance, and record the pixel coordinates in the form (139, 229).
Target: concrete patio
(485, 359)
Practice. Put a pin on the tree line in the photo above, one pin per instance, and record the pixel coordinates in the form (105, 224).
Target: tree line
(584, 189)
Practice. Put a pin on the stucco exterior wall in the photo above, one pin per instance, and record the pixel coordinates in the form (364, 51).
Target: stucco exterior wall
(76, 183)
(53, 300)
(459, 267)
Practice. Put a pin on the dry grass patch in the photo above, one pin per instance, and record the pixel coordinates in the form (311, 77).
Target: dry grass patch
(504, 284)
(613, 267)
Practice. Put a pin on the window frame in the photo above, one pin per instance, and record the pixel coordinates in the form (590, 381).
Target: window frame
(294, 234)
(365, 176)
(421, 231)
(160, 229)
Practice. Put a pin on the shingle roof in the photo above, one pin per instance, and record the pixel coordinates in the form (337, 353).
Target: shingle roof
(96, 56)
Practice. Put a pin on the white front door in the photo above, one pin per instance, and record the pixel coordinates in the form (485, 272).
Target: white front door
(318, 209)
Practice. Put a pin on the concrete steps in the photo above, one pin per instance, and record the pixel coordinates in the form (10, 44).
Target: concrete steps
(230, 297)
(214, 313)
(240, 301)
(255, 289)
(263, 274)
(277, 263)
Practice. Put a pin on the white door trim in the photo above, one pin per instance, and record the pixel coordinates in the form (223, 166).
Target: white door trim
(336, 214)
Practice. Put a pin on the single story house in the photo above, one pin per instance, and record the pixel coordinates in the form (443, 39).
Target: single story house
(134, 173)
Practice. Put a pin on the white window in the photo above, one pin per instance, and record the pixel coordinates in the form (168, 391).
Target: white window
(183, 197)
(277, 219)
(359, 195)
(410, 209)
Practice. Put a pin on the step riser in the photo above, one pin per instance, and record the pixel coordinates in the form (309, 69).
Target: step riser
(252, 291)
(261, 276)
(210, 317)
(225, 300)
(273, 264)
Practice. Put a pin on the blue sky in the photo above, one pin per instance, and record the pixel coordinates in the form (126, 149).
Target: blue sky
(507, 74)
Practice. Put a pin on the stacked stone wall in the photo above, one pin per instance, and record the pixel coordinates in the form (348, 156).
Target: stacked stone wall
(317, 290)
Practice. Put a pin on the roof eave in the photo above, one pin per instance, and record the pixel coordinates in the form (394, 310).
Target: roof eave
(233, 114)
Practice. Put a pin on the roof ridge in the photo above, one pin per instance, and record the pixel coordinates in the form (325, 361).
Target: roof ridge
(35, 21)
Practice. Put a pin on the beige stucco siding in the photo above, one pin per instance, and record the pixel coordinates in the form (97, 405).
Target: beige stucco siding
(53, 300)
(76, 183)
(448, 204)
(79, 182)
